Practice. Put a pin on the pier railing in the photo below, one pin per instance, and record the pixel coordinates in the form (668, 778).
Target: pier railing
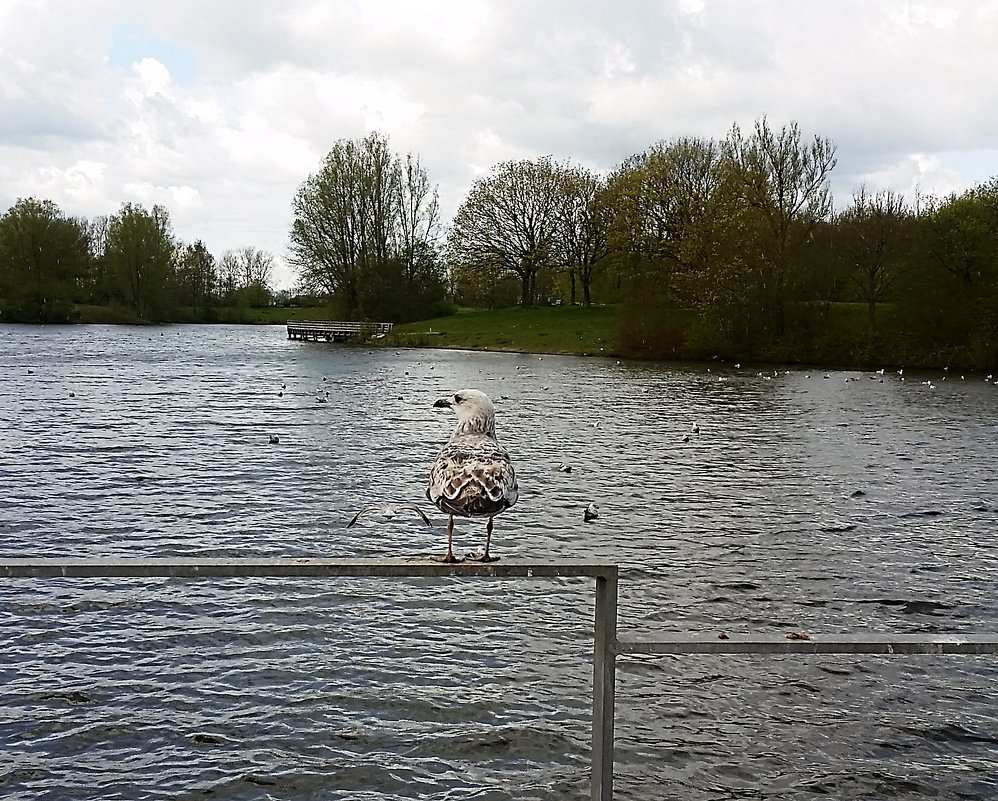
(606, 645)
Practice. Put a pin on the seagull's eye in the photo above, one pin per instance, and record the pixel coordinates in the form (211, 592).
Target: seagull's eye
(458, 399)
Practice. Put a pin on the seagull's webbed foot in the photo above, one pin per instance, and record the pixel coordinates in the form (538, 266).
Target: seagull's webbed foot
(449, 558)
(481, 557)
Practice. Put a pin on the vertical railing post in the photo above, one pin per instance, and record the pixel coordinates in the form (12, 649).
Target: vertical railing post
(604, 669)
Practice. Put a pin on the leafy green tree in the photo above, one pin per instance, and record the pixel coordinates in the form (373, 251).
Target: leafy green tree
(197, 279)
(962, 235)
(668, 219)
(510, 220)
(784, 182)
(678, 238)
(44, 261)
(365, 230)
(948, 304)
(140, 259)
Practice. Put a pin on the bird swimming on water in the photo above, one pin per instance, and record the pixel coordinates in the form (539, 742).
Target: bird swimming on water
(473, 475)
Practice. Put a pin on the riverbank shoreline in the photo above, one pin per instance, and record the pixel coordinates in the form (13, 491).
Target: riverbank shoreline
(606, 331)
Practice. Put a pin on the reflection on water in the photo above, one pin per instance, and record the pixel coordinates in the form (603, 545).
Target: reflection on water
(825, 502)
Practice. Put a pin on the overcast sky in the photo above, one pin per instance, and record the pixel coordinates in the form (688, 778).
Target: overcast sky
(219, 109)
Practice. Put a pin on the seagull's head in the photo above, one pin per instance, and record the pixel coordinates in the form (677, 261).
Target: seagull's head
(474, 410)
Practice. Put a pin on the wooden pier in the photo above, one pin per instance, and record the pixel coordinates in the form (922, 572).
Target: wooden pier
(334, 330)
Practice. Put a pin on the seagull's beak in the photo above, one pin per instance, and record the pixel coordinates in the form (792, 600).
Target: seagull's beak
(443, 403)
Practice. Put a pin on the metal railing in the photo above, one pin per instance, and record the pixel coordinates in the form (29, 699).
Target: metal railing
(606, 645)
(334, 329)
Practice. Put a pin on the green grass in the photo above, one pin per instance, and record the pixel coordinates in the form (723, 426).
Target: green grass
(544, 329)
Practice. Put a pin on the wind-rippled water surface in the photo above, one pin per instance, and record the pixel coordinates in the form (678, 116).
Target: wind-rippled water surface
(809, 501)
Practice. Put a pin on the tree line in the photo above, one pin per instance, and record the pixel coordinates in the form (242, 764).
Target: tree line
(727, 247)
(130, 261)
(711, 247)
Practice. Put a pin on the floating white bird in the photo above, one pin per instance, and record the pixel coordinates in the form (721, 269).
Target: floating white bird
(389, 510)
(591, 513)
(696, 428)
(473, 475)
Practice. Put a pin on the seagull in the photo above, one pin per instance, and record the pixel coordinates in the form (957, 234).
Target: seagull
(473, 475)
(591, 513)
(389, 510)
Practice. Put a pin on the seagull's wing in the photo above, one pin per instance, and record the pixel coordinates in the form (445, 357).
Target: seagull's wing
(390, 511)
(472, 477)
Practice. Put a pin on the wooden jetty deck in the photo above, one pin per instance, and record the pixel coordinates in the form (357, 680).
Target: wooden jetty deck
(334, 330)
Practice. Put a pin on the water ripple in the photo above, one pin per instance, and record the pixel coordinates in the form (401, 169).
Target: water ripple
(803, 503)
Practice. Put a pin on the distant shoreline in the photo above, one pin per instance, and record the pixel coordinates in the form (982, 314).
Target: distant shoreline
(597, 331)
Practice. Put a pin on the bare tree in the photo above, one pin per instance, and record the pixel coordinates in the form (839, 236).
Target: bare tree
(874, 232)
(584, 227)
(418, 228)
(244, 276)
(785, 182)
(255, 266)
(510, 220)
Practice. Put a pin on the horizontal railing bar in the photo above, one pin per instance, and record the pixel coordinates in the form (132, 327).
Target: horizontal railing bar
(337, 324)
(833, 644)
(410, 567)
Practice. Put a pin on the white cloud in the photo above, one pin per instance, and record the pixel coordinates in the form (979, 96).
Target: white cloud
(218, 111)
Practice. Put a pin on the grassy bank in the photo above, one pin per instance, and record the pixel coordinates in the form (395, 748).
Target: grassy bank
(544, 329)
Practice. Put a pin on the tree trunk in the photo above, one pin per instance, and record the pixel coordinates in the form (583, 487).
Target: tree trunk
(525, 289)
(586, 297)
(571, 275)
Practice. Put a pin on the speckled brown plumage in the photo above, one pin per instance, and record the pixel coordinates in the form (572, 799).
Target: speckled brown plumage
(473, 475)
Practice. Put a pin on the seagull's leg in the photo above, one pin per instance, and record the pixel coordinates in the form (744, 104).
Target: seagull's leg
(450, 539)
(488, 538)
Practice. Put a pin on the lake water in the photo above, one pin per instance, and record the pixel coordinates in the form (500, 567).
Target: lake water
(809, 501)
